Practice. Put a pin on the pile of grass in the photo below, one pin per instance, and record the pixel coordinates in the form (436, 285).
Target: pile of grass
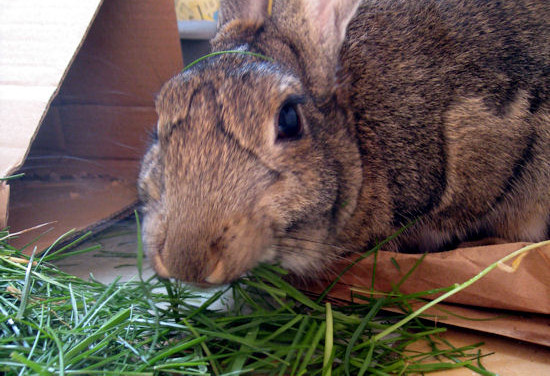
(52, 323)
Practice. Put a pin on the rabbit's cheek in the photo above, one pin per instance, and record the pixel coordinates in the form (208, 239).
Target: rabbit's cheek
(305, 248)
(269, 255)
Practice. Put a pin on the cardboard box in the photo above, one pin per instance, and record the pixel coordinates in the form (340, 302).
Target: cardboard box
(77, 86)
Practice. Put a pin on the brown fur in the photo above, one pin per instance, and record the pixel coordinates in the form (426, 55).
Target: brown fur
(436, 110)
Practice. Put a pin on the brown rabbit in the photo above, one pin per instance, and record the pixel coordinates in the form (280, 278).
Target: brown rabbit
(365, 116)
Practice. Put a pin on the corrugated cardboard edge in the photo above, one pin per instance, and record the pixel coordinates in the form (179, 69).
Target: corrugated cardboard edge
(107, 222)
(4, 198)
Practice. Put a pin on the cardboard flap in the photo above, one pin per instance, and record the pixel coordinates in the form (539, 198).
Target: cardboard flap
(89, 106)
(38, 40)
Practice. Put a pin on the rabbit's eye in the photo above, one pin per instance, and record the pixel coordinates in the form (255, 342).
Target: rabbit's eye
(290, 124)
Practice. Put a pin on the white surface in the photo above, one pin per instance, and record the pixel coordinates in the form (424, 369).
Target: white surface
(116, 257)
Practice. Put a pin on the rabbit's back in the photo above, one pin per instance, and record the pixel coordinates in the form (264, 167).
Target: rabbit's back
(451, 101)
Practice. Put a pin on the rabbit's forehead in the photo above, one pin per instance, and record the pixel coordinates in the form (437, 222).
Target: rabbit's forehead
(288, 83)
(242, 103)
(262, 90)
(266, 75)
(260, 83)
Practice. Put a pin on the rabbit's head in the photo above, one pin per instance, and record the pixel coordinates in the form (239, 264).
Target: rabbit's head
(253, 160)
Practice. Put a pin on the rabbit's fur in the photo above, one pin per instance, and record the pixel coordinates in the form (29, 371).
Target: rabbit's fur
(419, 109)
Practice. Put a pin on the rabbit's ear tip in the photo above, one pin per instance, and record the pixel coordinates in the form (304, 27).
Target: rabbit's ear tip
(243, 9)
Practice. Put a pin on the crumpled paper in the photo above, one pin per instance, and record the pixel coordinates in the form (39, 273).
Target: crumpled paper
(513, 300)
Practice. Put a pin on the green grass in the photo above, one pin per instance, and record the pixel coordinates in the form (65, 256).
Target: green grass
(52, 323)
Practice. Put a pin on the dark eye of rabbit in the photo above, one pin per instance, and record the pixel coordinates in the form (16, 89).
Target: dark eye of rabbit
(290, 125)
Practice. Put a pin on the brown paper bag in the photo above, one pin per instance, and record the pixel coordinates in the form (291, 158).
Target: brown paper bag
(515, 304)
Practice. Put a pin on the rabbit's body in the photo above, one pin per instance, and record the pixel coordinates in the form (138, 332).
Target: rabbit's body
(436, 110)
(457, 96)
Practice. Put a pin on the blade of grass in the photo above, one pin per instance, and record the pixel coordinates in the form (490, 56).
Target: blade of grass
(239, 361)
(176, 349)
(11, 177)
(37, 368)
(73, 304)
(6, 235)
(295, 341)
(215, 366)
(115, 320)
(409, 272)
(25, 296)
(329, 342)
(217, 53)
(111, 291)
(355, 336)
(55, 255)
(56, 242)
(60, 354)
(367, 361)
(282, 329)
(312, 347)
(64, 255)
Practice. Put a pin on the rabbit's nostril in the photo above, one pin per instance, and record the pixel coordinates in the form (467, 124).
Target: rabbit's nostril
(216, 246)
(159, 266)
(217, 275)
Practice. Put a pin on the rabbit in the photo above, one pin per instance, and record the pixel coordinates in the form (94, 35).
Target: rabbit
(352, 119)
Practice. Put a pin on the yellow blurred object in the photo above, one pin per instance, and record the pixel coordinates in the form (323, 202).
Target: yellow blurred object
(187, 10)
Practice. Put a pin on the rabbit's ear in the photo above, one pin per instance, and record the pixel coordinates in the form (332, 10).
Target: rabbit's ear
(242, 9)
(322, 25)
(329, 20)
